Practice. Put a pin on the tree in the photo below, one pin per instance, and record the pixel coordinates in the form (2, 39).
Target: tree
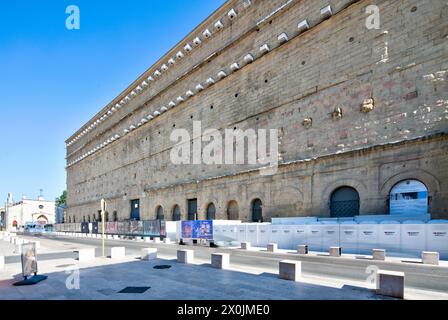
(62, 200)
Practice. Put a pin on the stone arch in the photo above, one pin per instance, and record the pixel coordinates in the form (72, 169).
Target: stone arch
(256, 208)
(160, 214)
(233, 210)
(176, 213)
(409, 196)
(344, 202)
(211, 211)
(325, 196)
(430, 181)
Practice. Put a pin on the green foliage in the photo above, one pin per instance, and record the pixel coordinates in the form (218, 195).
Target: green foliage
(62, 200)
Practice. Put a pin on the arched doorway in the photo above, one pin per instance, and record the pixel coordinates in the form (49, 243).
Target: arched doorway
(344, 203)
(408, 197)
(232, 210)
(42, 219)
(160, 214)
(176, 213)
(257, 212)
(211, 212)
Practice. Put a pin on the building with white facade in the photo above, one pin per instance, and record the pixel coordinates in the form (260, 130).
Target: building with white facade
(18, 214)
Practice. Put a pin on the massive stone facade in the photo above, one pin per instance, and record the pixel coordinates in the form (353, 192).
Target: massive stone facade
(354, 106)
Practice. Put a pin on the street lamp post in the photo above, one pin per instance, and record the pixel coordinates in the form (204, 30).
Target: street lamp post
(103, 212)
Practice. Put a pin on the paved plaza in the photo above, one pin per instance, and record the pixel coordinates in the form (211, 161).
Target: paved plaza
(104, 278)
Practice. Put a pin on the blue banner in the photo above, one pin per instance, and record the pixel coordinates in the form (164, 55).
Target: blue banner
(198, 229)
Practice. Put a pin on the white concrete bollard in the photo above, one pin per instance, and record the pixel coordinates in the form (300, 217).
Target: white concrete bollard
(379, 254)
(115, 237)
(167, 241)
(157, 240)
(431, 258)
(290, 270)
(149, 253)
(272, 247)
(390, 283)
(335, 252)
(220, 260)
(245, 245)
(185, 256)
(117, 252)
(2, 262)
(302, 249)
(86, 254)
(148, 239)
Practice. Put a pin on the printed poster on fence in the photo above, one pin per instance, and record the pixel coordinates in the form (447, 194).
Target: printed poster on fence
(198, 229)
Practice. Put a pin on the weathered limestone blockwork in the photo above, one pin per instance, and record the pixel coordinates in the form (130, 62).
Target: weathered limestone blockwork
(390, 84)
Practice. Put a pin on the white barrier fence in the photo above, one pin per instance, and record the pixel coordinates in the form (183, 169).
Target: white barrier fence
(408, 239)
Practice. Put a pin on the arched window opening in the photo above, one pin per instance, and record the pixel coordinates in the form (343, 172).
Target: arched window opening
(257, 212)
(232, 210)
(344, 202)
(211, 212)
(408, 197)
(176, 213)
(160, 214)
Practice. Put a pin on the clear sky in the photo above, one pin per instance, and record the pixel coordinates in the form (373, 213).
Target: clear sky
(53, 80)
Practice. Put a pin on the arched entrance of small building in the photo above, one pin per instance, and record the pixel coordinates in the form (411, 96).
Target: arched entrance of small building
(344, 202)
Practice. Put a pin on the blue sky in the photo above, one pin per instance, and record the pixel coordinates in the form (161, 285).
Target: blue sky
(53, 80)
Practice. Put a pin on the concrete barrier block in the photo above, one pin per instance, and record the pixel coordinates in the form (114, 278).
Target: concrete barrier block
(220, 260)
(379, 254)
(115, 237)
(148, 239)
(185, 256)
(86, 254)
(390, 283)
(245, 245)
(335, 251)
(157, 240)
(431, 258)
(167, 241)
(302, 249)
(117, 252)
(272, 247)
(149, 253)
(290, 270)
(2, 262)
